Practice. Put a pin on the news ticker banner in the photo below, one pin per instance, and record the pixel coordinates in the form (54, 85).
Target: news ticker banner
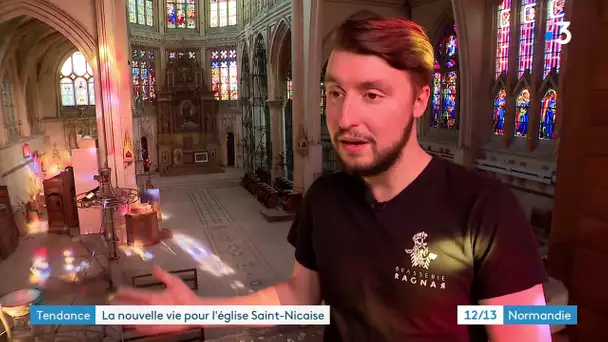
(510, 315)
(273, 315)
(179, 315)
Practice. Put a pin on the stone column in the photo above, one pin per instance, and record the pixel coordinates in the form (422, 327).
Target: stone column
(469, 16)
(306, 70)
(276, 125)
(312, 67)
(298, 74)
(114, 112)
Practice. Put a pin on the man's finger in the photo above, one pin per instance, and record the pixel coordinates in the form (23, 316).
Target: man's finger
(165, 277)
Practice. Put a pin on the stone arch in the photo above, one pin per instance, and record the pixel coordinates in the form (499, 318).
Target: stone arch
(278, 38)
(259, 64)
(57, 19)
(244, 72)
(277, 59)
(442, 21)
(327, 43)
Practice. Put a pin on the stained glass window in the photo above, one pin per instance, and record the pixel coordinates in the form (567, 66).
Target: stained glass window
(526, 35)
(76, 82)
(141, 12)
(502, 37)
(224, 77)
(7, 101)
(500, 106)
(555, 14)
(173, 55)
(522, 113)
(222, 13)
(547, 115)
(289, 85)
(436, 93)
(143, 73)
(445, 82)
(181, 14)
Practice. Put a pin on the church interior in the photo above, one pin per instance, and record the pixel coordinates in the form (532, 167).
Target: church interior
(184, 133)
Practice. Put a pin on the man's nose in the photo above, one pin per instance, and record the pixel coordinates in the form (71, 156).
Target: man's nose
(349, 114)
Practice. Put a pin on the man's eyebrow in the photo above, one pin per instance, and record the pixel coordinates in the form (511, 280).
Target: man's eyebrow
(329, 78)
(365, 85)
(377, 84)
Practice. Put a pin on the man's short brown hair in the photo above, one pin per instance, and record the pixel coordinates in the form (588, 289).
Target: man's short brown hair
(403, 44)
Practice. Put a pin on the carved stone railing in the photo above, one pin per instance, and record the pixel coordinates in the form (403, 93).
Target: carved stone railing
(85, 126)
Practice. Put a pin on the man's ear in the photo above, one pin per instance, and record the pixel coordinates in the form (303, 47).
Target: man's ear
(421, 100)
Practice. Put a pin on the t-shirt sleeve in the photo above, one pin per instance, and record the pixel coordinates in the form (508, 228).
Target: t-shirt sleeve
(300, 234)
(506, 253)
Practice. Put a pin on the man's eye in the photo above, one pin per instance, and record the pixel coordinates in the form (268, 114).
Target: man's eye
(334, 93)
(372, 96)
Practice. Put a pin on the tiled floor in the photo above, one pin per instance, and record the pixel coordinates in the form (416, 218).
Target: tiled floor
(210, 216)
(217, 228)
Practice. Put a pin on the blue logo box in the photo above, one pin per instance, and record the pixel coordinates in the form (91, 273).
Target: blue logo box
(62, 315)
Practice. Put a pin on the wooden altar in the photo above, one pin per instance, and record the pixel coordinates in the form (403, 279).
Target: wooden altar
(187, 121)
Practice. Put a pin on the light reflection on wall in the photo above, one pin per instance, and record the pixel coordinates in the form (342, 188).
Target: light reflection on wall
(55, 161)
(207, 261)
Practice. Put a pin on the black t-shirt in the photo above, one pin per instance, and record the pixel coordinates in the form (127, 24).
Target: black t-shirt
(396, 271)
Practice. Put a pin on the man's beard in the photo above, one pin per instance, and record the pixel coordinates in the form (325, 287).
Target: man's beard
(383, 160)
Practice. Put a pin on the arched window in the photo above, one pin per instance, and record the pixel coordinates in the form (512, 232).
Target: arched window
(143, 71)
(445, 81)
(503, 37)
(141, 12)
(525, 85)
(289, 85)
(522, 110)
(547, 115)
(224, 77)
(527, 22)
(553, 48)
(500, 106)
(222, 13)
(181, 14)
(76, 82)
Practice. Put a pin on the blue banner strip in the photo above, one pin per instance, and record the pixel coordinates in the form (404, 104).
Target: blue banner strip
(541, 314)
(62, 315)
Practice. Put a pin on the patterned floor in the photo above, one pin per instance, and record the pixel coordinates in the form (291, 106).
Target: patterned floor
(230, 243)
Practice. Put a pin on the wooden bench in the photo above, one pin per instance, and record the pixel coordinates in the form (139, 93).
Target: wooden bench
(267, 195)
(291, 201)
(188, 276)
(263, 174)
(283, 184)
